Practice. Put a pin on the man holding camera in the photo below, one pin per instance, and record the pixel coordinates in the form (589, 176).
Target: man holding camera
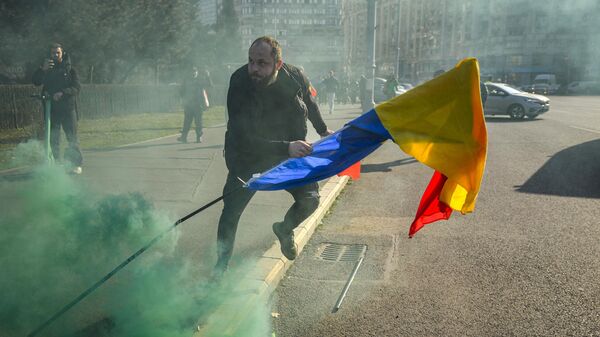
(60, 83)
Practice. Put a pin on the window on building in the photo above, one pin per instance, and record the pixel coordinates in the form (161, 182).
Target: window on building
(483, 28)
(541, 21)
(515, 60)
(516, 24)
(537, 59)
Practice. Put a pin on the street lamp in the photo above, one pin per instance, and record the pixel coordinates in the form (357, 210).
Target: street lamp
(370, 66)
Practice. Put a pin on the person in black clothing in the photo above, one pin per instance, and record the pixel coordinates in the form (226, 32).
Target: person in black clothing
(331, 84)
(484, 92)
(268, 104)
(195, 101)
(60, 82)
(362, 89)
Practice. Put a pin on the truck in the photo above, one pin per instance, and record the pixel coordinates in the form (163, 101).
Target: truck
(545, 84)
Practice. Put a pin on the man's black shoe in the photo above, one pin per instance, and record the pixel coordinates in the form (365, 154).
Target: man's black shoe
(216, 276)
(181, 139)
(286, 240)
(199, 139)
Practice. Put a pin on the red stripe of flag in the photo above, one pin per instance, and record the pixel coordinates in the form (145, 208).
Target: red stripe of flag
(431, 208)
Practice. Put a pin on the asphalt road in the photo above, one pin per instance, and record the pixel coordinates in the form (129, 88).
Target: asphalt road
(525, 263)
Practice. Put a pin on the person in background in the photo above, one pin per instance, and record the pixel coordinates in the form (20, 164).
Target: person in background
(390, 87)
(60, 82)
(484, 92)
(362, 88)
(194, 94)
(354, 91)
(268, 102)
(330, 85)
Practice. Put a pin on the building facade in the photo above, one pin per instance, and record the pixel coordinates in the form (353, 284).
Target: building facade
(513, 40)
(208, 11)
(309, 31)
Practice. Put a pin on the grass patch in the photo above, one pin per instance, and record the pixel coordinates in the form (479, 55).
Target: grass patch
(110, 132)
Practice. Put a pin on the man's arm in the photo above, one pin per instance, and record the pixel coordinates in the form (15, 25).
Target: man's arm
(209, 82)
(314, 114)
(72, 89)
(40, 74)
(74, 85)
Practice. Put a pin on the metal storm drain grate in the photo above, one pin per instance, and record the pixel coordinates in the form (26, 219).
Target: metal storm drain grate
(341, 252)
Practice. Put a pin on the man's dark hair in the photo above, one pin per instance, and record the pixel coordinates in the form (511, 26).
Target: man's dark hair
(275, 46)
(56, 45)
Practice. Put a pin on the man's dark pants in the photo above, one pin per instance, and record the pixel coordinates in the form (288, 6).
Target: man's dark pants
(67, 119)
(306, 201)
(192, 113)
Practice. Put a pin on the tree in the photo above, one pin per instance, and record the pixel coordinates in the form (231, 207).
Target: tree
(114, 39)
(228, 31)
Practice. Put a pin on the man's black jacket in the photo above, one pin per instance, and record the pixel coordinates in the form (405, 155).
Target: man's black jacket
(191, 91)
(62, 78)
(263, 121)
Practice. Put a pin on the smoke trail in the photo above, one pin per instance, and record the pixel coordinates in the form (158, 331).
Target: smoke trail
(57, 238)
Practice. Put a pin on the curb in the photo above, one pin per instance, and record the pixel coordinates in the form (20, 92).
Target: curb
(272, 265)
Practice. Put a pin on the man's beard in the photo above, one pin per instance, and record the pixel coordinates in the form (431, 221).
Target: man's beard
(265, 81)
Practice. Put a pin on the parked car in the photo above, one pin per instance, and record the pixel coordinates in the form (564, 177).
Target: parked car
(504, 99)
(379, 90)
(527, 88)
(583, 87)
(406, 86)
(544, 84)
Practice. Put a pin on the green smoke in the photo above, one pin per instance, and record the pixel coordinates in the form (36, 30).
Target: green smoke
(57, 239)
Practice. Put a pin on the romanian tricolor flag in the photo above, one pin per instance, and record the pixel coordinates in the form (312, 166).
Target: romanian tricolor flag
(440, 123)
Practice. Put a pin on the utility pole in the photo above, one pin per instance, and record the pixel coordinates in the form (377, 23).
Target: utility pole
(398, 37)
(370, 71)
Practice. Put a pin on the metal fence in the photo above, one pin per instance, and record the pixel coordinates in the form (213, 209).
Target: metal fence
(19, 109)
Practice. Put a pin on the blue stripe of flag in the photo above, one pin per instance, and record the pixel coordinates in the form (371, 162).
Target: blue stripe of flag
(331, 155)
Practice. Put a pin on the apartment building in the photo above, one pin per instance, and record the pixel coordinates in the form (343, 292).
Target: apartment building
(514, 40)
(208, 11)
(310, 31)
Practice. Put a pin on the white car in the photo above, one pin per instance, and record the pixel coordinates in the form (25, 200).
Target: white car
(583, 87)
(503, 99)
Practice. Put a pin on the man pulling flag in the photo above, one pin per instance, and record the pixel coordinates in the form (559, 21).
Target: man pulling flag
(440, 123)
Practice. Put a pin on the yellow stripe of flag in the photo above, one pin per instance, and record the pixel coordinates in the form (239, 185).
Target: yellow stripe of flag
(440, 123)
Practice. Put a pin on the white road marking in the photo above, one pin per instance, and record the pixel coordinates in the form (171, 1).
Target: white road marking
(590, 130)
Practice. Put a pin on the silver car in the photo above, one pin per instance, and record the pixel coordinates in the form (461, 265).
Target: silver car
(506, 100)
